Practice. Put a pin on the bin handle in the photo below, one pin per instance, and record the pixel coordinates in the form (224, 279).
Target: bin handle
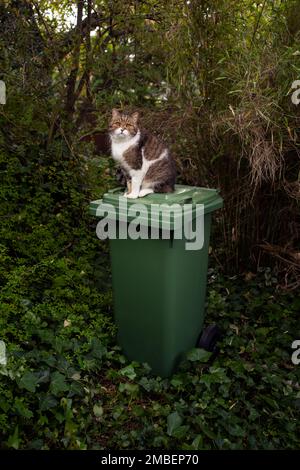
(187, 199)
(184, 200)
(196, 196)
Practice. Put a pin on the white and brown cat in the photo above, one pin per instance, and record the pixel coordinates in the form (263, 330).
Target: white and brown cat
(146, 162)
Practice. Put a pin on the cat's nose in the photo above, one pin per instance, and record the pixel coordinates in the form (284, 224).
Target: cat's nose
(122, 130)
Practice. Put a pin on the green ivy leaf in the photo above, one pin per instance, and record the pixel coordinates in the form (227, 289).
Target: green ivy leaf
(180, 432)
(98, 350)
(22, 409)
(199, 355)
(174, 420)
(48, 401)
(58, 383)
(29, 381)
(128, 372)
(176, 382)
(14, 440)
(197, 442)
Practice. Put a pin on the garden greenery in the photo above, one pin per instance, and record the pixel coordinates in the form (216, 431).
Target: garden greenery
(214, 78)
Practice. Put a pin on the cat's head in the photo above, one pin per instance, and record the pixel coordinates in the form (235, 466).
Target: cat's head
(123, 126)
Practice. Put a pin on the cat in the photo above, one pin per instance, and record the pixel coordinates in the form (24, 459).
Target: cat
(146, 162)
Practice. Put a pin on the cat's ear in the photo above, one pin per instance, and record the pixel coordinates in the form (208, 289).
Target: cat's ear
(135, 117)
(115, 113)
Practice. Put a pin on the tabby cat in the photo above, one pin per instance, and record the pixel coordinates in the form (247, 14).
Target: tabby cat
(146, 162)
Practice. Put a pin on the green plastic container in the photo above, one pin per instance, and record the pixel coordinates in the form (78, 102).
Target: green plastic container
(158, 285)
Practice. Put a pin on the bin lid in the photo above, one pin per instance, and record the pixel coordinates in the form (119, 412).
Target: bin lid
(182, 195)
(157, 208)
(188, 196)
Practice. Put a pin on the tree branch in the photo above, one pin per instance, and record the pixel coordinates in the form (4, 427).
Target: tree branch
(87, 25)
(71, 82)
(88, 51)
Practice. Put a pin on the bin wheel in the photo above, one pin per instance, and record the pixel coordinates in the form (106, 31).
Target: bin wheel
(209, 338)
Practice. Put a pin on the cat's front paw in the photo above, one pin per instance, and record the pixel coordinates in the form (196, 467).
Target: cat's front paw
(131, 195)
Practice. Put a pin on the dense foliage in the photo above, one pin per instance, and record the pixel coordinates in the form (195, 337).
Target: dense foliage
(67, 384)
(220, 72)
(214, 78)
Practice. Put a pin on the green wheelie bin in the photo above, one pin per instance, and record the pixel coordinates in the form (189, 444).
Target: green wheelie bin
(158, 272)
